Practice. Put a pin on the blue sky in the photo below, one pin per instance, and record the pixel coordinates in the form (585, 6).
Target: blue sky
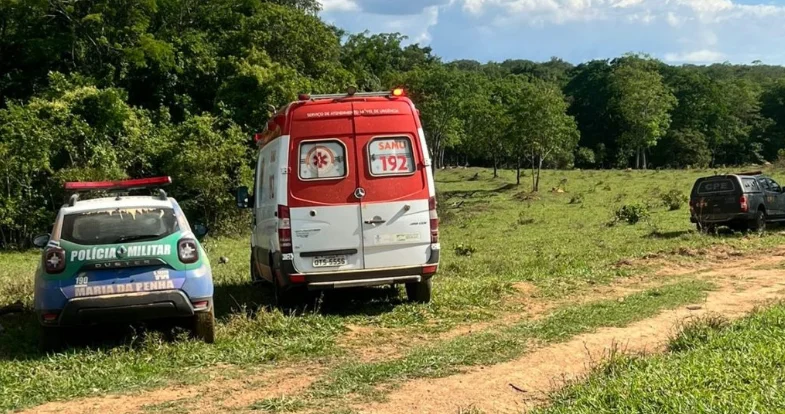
(675, 31)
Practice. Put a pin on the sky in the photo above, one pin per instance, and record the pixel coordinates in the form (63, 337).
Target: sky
(675, 31)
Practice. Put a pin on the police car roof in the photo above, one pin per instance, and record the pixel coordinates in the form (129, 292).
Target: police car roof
(106, 203)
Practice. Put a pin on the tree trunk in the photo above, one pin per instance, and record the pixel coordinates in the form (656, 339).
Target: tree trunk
(495, 167)
(518, 177)
(638, 158)
(537, 182)
(644, 158)
(534, 183)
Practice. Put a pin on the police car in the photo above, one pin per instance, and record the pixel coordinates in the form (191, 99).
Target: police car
(122, 259)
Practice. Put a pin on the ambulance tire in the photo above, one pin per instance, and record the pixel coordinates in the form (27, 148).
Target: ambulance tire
(255, 276)
(286, 299)
(419, 292)
(50, 339)
(204, 326)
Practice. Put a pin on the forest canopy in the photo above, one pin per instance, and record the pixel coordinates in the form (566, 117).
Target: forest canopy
(100, 89)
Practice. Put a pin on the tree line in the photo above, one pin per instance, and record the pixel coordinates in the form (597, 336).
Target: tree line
(107, 89)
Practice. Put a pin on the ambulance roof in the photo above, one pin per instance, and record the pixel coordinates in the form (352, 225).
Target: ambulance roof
(124, 202)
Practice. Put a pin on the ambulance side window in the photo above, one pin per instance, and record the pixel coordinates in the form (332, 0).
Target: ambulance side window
(391, 156)
(322, 160)
(259, 179)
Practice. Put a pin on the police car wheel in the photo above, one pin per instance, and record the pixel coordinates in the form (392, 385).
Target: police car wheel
(50, 339)
(204, 326)
(419, 292)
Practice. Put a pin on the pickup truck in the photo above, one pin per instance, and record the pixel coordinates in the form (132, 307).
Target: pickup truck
(746, 201)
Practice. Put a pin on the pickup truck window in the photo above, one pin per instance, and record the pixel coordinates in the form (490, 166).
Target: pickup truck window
(750, 185)
(716, 185)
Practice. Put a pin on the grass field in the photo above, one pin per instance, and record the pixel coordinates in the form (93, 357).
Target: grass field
(712, 367)
(495, 237)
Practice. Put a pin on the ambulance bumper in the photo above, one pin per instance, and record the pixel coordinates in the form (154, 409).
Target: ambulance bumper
(126, 308)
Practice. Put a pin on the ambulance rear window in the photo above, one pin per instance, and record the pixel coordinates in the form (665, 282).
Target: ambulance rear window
(114, 226)
(391, 156)
(322, 160)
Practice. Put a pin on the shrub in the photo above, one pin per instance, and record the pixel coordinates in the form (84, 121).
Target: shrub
(674, 199)
(523, 219)
(464, 249)
(577, 199)
(632, 213)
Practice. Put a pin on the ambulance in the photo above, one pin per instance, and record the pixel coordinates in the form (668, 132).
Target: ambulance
(344, 196)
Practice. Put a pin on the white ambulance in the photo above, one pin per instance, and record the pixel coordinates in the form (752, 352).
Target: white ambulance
(344, 196)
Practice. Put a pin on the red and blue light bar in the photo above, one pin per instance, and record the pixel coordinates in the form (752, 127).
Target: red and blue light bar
(118, 184)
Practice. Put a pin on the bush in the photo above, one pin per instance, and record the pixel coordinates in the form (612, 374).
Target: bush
(577, 199)
(674, 199)
(632, 213)
(464, 250)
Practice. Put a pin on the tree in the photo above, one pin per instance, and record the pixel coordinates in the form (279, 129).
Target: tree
(541, 127)
(643, 103)
(439, 93)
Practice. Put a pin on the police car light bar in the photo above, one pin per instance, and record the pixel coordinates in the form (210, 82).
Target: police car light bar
(119, 184)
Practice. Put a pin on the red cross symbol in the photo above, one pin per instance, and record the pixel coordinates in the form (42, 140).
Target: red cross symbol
(320, 160)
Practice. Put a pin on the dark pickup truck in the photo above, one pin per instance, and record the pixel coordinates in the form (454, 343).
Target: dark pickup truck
(742, 202)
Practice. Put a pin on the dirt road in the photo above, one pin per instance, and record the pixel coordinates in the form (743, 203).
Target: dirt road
(510, 387)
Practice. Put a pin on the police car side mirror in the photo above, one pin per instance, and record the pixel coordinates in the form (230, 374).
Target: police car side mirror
(242, 198)
(200, 230)
(41, 241)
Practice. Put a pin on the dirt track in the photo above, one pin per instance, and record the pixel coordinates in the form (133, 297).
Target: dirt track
(487, 389)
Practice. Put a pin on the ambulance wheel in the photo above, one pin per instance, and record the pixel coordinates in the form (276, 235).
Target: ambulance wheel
(255, 276)
(50, 339)
(204, 326)
(287, 298)
(419, 292)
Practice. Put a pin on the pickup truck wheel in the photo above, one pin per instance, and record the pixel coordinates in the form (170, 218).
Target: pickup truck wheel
(419, 292)
(204, 326)
(758, 224)
(50, 339)
(706, 228)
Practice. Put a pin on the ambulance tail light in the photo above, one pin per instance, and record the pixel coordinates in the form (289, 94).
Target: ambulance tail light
(434, 220)
(187, 251)
(54, 260)
(284, 229)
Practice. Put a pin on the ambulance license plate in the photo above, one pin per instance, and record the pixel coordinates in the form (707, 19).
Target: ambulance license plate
(329, 261)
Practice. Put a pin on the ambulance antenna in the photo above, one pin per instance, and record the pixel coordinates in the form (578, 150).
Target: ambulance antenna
(74, 198)
(162, 194)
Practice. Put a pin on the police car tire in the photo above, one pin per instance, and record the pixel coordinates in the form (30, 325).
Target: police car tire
(419, 292)
(204, 326)
(50, 339)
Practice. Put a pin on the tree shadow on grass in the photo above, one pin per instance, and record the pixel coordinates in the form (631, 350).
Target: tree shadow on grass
(20, 331)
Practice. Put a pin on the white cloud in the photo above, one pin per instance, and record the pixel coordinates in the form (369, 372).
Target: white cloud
(698, 56)
(339, 5)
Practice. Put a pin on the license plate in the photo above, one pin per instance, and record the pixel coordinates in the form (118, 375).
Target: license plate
(329, 261)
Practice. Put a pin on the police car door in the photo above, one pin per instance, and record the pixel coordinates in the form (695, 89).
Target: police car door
(395, 202)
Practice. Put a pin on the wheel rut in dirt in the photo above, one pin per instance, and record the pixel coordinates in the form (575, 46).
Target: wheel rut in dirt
(519, 385)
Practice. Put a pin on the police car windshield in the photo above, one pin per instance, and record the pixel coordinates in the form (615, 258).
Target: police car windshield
(119, 225)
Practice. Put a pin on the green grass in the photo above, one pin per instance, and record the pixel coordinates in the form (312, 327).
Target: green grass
(560, 242)
(713, 367)
(504, 344)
